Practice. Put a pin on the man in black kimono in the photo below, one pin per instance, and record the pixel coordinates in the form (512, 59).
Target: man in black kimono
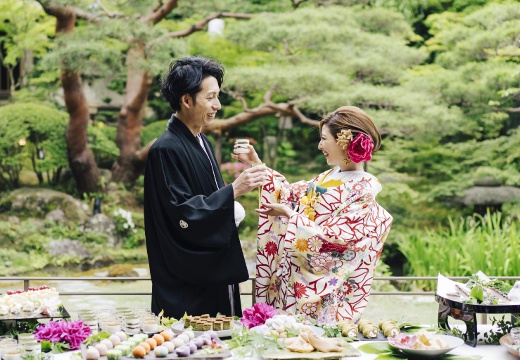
(194, 252)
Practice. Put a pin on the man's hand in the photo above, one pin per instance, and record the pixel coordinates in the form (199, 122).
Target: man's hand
(249, 179)
(251, 158)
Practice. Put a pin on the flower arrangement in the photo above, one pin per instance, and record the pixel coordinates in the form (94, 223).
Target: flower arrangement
(58, 336)
(257, 315)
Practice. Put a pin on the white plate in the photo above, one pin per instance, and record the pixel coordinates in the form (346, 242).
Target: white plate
(317, 330)
(507, 342)
(178, 328)
(452, 342)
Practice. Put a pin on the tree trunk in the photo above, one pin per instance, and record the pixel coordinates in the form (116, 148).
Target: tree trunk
(128, 165)
(81, 160)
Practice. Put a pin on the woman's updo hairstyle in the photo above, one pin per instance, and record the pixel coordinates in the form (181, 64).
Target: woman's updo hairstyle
(354, 119)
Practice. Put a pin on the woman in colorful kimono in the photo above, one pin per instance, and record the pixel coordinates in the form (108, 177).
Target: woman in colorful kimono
(319, 241)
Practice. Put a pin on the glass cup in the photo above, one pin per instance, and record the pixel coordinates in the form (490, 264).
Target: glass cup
(32, 350)
(12, 352)
(149, 324)
(241, 146)
(131, 324)
(5, 341)
(22, 337)
(515, 335)
(92, 323)
(112, 326)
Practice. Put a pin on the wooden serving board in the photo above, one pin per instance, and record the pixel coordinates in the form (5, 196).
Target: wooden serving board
(348, 350)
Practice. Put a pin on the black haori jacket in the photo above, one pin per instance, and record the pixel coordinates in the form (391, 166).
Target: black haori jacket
(194, 252)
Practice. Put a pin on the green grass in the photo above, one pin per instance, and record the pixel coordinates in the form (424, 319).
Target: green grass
(487, 243)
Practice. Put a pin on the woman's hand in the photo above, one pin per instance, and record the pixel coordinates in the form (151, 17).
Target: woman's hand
(275, 210)
(251, 158)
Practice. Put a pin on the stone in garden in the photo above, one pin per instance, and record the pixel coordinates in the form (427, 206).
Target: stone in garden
(100, 223)
(35, 202)
(55, 215)
(68, 247)
(13, 219)
(122, 270)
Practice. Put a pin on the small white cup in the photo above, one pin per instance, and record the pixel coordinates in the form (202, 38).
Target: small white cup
(149, 326)
(112, 327)
(241, 146)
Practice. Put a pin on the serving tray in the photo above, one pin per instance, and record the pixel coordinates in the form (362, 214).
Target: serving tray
(32, 316)
(348, 350)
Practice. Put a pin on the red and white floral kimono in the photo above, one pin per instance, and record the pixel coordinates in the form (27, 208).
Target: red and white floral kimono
(320, 262)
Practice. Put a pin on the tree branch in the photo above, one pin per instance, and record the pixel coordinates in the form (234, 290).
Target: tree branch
(80, 14)
(296, 3)
(200, 25)
(161, 12)
(267, 108)
(238, 97)
(106, 11)
(59, 12)
(142, 154)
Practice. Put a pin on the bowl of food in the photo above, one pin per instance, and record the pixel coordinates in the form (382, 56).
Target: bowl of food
(424, 344)
(507, 342)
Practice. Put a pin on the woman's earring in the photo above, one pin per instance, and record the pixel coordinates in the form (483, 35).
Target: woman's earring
(347, 161)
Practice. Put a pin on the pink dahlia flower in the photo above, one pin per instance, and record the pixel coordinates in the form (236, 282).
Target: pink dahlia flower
(360, 148)
(257, 315)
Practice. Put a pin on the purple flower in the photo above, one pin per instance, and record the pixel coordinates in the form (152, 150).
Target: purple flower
(257, 315)
(70, 332)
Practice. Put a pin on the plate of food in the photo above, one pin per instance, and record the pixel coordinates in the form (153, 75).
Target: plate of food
(198, 324)
(424, 344)
(508, 343)
(266, 330)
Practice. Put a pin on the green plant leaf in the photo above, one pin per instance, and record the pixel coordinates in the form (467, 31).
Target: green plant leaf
(375, 348)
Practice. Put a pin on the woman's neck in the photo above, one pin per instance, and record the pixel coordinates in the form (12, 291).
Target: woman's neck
(351, 167)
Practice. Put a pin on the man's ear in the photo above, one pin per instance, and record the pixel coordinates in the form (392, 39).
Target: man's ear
(185, 99)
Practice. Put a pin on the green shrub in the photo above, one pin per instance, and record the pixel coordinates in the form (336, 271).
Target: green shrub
(102, 142)
(134, 239)
(31, 134)
(153, 131)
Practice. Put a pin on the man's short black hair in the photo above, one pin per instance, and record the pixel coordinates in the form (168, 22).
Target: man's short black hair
(185, 77)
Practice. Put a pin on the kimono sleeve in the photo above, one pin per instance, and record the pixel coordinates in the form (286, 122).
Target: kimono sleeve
(278, 190)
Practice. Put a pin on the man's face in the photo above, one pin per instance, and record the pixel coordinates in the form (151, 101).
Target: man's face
(206, 104)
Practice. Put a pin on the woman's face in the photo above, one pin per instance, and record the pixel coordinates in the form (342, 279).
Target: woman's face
(332, 151)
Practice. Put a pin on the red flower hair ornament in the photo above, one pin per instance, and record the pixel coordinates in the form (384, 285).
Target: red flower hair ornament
(358, 148)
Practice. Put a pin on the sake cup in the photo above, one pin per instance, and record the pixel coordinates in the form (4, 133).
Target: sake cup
(241, 146)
